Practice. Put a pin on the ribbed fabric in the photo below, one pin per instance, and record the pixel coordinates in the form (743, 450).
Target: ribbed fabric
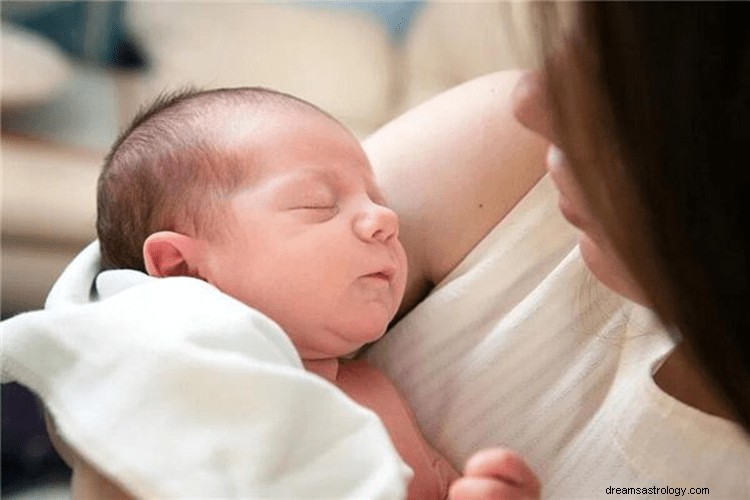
(520, 347)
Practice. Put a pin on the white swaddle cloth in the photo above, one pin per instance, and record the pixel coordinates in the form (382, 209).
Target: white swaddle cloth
(174, 389)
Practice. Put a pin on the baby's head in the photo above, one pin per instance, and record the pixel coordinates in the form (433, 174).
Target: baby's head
(264, 196)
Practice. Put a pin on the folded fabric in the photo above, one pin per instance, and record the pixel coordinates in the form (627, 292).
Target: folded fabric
(173, 389)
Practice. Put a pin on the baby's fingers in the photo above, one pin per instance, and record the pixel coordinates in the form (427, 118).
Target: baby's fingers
(482, 488)
(506, 466)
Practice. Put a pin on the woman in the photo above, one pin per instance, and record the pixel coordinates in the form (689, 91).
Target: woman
(646, 107)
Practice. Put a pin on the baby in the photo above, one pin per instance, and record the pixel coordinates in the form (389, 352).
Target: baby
(272, 201)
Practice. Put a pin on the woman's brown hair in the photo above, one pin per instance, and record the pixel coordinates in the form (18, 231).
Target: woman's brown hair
(651, 103)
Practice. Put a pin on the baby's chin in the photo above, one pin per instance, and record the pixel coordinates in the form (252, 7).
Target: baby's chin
(365, 336)
(338, 341)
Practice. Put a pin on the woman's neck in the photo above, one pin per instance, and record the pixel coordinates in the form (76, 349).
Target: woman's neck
(680, 377)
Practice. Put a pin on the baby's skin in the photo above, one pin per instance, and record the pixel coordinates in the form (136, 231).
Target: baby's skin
(310, 242)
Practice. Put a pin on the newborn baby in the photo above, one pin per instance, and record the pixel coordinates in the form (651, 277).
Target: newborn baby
(273, 202)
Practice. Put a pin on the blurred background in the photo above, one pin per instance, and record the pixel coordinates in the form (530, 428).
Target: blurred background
(75, 73)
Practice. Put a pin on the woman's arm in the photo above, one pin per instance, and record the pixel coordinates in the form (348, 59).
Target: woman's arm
(452, 168)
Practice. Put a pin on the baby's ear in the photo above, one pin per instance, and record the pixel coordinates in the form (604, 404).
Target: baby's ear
(167, 253)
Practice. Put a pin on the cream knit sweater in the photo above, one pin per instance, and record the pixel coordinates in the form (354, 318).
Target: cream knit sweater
(520, 347)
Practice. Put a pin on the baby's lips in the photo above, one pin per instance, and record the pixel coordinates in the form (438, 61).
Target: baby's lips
(386, 273)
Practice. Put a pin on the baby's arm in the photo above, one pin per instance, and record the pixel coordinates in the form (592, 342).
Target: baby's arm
(86, 483)
(496, 474)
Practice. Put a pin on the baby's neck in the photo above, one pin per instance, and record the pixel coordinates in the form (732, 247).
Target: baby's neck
(326, 368)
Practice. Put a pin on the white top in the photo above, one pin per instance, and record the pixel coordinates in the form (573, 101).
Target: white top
(520, 347)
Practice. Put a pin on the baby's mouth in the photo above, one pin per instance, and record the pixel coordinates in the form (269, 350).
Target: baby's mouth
(384, 274)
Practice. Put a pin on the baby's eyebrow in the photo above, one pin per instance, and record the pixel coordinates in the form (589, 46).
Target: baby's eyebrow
(294, 184)
(332, 181)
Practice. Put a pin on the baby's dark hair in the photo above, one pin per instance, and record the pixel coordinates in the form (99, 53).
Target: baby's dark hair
(167, 170)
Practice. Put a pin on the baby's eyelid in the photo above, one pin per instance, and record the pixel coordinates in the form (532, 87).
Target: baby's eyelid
(316, 203)
(326, 206)
(328, 212)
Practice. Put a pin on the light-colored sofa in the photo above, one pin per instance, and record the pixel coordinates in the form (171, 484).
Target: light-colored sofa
(345, 60)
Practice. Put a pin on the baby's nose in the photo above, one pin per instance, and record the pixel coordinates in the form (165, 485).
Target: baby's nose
(377, 223)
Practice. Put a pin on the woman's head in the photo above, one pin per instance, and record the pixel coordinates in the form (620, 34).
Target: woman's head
(597, 251)
(651, 105)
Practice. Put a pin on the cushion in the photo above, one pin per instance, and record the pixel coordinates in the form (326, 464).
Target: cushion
(342, 61)
(33, 68)
(452, 42)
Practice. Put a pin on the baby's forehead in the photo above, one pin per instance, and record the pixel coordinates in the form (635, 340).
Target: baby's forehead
(287, 138)
(229, 121)
(291, 179)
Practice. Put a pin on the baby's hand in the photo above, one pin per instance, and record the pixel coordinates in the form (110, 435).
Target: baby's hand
(496, 474)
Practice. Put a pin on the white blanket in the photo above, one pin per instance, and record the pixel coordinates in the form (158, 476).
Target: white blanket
(174, 389)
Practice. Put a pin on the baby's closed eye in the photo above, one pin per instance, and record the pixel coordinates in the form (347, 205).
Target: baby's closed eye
(317, 212)
(315, 197)
(315, 206)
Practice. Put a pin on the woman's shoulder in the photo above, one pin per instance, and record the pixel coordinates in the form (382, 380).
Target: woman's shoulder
(452, 168)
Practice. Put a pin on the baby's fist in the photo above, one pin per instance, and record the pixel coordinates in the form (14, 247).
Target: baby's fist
(496, 474)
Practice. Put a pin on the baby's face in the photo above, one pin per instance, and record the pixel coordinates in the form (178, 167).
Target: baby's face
(310, 242)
